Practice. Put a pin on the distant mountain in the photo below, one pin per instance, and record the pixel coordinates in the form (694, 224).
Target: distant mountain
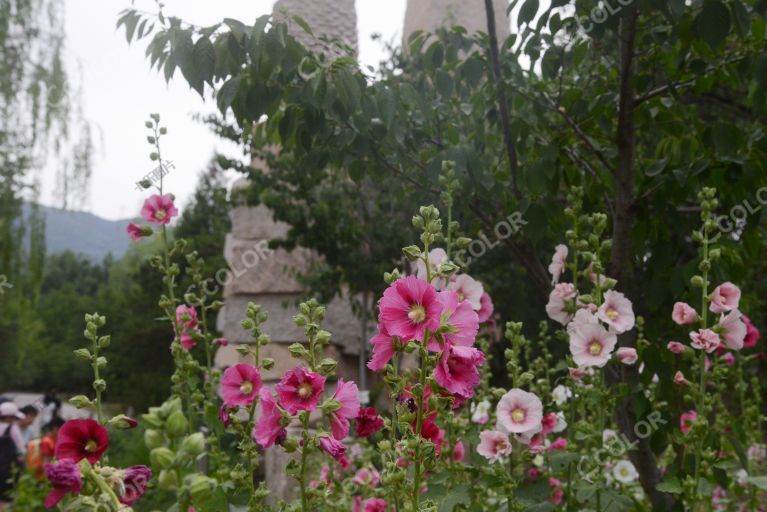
(83, 233)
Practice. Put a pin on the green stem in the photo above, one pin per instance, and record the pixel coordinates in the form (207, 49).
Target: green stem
(302, 480)
(419, 424)
(702, 358)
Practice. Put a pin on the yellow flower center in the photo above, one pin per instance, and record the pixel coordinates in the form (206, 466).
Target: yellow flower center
(246, 387)
(501, 446)
(91, 446)
(612, 314)
(518, 415)
(160, 214)
(305, 390)
(417, 314)
(595, 348)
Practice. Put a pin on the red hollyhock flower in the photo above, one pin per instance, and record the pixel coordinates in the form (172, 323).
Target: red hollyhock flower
(81, 439)
(368, 422)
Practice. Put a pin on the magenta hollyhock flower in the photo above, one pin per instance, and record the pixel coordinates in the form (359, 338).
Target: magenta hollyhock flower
(409, 307)
(557, 264)
(733, 329)
(431, 432)
(459, 451)
(159, 209)
(724, 298)
(591, 345)
(559, 443)
(548, 423)
(384, 349)
(374, 505)
(728, 358)
(367, 477)
(81, 439)
(686, 420)
(705, 339)
(186, 317)
(239, 385)
(222, 342)
(457, 370)
(347, 395)
(436, 258)
(269, 427)
(462, 319)
(300, 390)
(557, 305)
(493, 445)
(557, 495)
(486, 308)
(64, 477)
(519, 411)
(616, 311)
(684, 314)
(135, 480)
(752, 333)
(627, 355)
(675, 347)
(333, 447)
(680, 380)
(223, 416)
(368, 422)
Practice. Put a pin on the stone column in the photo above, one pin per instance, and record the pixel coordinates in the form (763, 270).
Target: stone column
(429, 15)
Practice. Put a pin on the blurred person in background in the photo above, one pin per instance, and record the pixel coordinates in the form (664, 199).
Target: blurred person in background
(28, 432)
(10, 450)
(40, 451)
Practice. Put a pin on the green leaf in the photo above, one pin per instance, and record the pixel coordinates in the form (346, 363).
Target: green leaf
(444, 83)
(527, 12)
(204, 55)
(671, 485)
(303, 24)
(227, 93)
(713, 23)
(758, 481)
(458, 495)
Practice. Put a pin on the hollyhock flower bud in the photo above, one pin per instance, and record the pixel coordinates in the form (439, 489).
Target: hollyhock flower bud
(559, 443)
(64, 477)
(679, 379)
(493, 445)
(752, 333)
(724, 298)
(123, 422)
(557, 495)
(222, 342)
(627, 355)
(686, 420)
(557, 264)
(159, 209)
(162, 457)
(705, 339)
(137, 232)
(684, 314)
(459, 451)
(332, 447)
(486, 308)
(176, 424)
(135, 481)
(675, 347)
(201, 486)
(368, 422)
(519, 411)
(81, 439)
(728, 358)
(576, 373)
(194, 444)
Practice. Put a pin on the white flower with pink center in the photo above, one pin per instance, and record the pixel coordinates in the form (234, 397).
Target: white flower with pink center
(591, 345)
(733, 329)
(467, 288)
(724, 298)
(436, 258)
(616, 311)
(519, 411)
(627, 355)
(493, 445)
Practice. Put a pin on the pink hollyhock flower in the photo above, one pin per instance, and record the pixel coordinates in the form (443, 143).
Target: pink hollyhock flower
(300, 390)
(374, 505)
(591, 345)
(627, 355)
(557, 305)
(548, 423)
(222, 342)
(533, 473)
(468, 289)
(436, 258)
(368, 422)
(519, 411)
(684, 314)
(679, 379)
(135, 480)
(223, 416)
(457, 370)
(269, 427)
(577, 373)
(675, 347)
(461, 318)
(367, 477)
(459, 451)
(64, 477)
(733, 330)
(686, 420)
(705, 339)
(486, 308)
(409, 307)
(333, 447)
(559, 443)
(186, 317)
(159, 209)
(240, 385)
(136, 232)
(347, 395)
(616, 311)
(384, 349)
(187, 341)
(432, 432)
(493, 445)
(558, 494)
(81, 439)
(728, 358)
(725, 297)
(752, 333)
(557, 264)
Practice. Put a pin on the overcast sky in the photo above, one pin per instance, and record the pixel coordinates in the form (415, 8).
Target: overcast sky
(119, 91)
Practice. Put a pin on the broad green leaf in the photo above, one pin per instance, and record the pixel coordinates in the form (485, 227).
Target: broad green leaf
(204, 56)
(454, 497)
(758, 481)
(670, 485)
(227, 93)
(713, 23)
(527, 12)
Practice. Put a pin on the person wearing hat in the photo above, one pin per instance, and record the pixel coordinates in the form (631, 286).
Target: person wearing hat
(10, 449)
